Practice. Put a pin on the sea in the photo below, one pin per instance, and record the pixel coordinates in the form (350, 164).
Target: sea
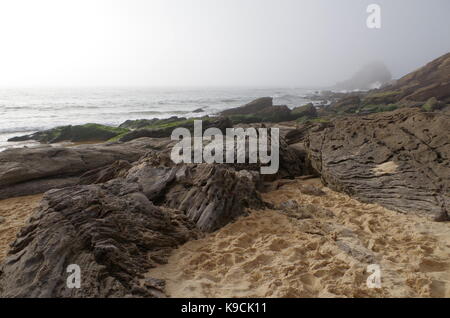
(27, 110)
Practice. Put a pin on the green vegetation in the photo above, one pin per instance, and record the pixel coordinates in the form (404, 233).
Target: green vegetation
(431, 105)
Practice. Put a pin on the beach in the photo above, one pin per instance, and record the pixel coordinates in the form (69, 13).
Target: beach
(271, 254)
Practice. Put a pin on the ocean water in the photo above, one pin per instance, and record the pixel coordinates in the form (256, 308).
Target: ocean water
(24, 111)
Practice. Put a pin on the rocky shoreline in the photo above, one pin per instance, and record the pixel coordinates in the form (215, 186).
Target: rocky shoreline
(119, 209)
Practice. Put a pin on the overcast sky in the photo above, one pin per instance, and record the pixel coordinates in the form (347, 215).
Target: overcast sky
(295, 43)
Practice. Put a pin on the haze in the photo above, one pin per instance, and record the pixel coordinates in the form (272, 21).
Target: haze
(234, 43)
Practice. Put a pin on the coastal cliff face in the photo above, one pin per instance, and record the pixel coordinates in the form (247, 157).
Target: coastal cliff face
(431, 80)
(120, 209)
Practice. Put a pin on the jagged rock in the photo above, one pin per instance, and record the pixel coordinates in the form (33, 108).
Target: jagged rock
(29, 171)
(117, 169)
(398, 159)
(198, 110)
(77, 133)
(211, 195)
(111, 231)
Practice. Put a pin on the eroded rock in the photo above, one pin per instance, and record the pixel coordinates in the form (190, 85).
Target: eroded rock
(111, 231)
(398, 159)
(29, 171)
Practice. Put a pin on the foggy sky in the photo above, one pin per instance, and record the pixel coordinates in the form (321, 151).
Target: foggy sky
(295, 43)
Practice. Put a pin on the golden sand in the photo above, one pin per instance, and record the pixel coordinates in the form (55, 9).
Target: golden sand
(14, 213)
(271, 254)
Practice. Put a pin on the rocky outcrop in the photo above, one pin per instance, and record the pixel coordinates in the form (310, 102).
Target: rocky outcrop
(210, 195)
(154, 122)
(307, 111)
(399, 159)
(166, 129)
(250, 108)
(28, 171)
(257, 111)
(111, 231)
(117, 230)
(348, 104)
(78, 133)
(431, 80)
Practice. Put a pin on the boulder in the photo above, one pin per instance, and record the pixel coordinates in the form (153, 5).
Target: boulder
(250, 108)
(307, 111)
(111, 231)
(274, 114)
(398, 159)
(349, 104)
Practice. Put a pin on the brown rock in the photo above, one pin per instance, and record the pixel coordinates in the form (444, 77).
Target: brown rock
(112, 231)
(398, 159)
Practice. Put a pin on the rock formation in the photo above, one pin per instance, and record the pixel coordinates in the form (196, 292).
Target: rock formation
(35, 170)
(431, 80)
(78, 133)
(165, 130)
(111, 231)
(399, 159)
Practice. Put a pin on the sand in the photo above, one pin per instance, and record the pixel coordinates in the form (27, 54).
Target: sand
(14, 213)
(278, 253)
(271, 253)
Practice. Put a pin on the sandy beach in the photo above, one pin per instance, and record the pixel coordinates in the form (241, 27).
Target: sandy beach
(14, 213)
(275, 254)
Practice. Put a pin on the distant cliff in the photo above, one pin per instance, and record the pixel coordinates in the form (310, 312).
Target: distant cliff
(372, 75)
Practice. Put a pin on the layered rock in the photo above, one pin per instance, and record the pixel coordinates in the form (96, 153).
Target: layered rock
(431, 80)
(77, 133)
(28, 171)
(399, 159)
(111, 231)
(211, 195)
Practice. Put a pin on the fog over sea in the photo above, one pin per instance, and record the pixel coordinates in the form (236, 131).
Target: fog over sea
(24, 111)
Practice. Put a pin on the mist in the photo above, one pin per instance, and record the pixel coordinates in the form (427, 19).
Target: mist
(233, 43)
